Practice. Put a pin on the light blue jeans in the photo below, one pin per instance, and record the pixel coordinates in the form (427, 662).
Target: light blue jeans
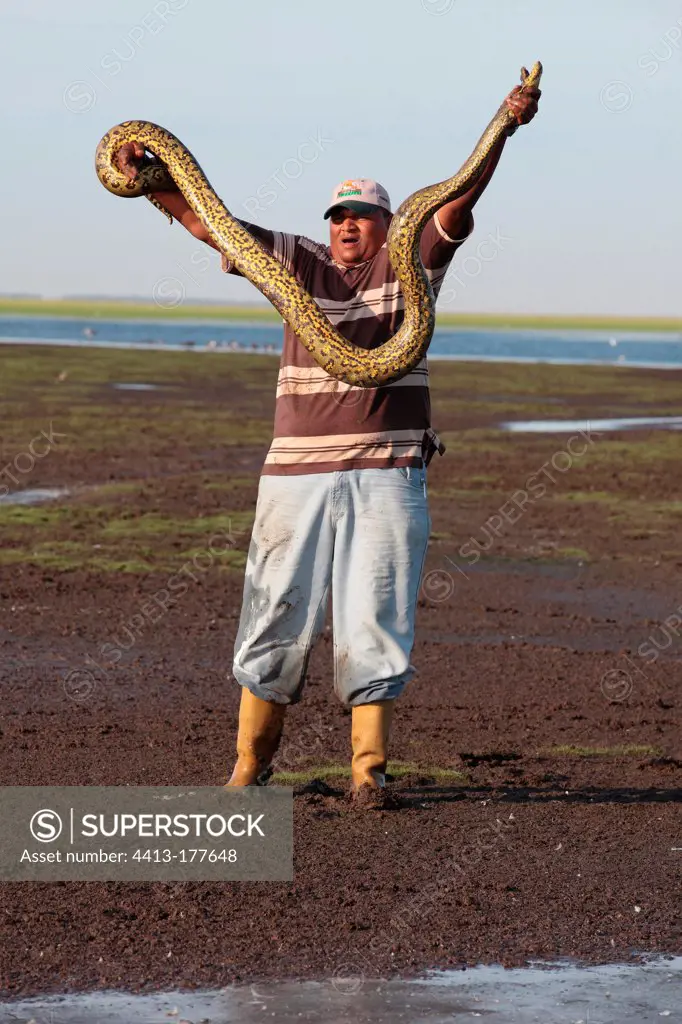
(361, 534)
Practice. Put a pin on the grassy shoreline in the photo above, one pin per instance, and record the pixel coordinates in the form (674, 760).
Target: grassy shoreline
(153, 476)
(95, 309)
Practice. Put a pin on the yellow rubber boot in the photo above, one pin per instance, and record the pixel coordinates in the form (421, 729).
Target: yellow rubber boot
(370, 729)
(260, 730)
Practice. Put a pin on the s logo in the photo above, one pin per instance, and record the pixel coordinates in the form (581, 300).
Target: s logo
(46, 826)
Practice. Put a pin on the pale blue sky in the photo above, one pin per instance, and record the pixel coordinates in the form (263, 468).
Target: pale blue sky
(586, 199)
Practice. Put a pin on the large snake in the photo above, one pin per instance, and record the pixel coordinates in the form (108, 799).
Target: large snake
(173, 167)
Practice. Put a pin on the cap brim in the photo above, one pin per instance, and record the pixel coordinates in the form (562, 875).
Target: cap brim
(353, 204)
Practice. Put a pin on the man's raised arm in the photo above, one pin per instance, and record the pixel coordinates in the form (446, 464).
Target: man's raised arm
(454, 216)
(130, 158)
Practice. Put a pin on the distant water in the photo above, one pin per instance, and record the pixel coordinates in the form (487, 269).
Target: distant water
(519, 345)
(568, 426)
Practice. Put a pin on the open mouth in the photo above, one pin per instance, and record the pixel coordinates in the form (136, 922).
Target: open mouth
(349, 241)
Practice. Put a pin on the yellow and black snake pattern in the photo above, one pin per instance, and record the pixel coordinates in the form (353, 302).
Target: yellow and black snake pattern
(173, 167)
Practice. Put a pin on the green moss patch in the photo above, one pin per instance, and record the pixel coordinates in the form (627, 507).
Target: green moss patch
(397, 769)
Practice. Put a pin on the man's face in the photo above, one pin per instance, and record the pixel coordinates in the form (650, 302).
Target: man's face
(355, 237)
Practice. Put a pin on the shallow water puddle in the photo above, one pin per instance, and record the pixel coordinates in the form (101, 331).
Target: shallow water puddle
(593, 426)
(34, 496)
(544, 994)
(136, 387)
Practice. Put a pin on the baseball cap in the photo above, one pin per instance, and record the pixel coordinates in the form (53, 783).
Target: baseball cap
(361, 194)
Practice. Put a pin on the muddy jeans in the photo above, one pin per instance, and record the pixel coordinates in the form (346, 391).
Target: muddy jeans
(361, 534)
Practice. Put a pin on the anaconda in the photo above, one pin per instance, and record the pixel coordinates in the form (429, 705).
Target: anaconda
(172, 167)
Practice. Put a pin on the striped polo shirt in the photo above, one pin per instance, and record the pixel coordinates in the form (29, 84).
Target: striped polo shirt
(322, 424)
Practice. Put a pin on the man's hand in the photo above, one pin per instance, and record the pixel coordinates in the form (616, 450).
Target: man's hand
(129, 159)
(523, 102)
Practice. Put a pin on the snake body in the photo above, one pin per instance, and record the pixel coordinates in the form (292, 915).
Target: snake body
(173, 167)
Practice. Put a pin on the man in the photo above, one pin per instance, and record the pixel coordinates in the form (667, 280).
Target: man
(342, 503)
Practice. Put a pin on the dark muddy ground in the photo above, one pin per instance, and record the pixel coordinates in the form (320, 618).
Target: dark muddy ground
(537, 754)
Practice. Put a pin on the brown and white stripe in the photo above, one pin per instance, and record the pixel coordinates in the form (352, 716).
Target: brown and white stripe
(322, 424)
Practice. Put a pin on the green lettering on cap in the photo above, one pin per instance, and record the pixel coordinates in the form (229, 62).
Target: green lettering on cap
(355, 192)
